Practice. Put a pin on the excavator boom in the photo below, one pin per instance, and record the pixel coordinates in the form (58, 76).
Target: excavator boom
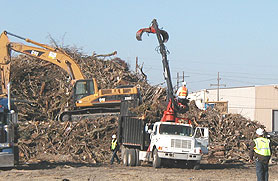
(87, 97)
(47, 53)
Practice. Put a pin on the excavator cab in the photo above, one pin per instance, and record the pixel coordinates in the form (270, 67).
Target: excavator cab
(83, 88)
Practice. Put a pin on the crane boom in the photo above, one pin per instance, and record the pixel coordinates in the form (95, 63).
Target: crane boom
(162, 37)
(163, 51)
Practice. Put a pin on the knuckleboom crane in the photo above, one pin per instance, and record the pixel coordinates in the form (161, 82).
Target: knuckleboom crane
(170, 114)
(172, 139)
(88, 99)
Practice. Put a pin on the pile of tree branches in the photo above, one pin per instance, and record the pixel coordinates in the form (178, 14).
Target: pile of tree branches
(43, 90)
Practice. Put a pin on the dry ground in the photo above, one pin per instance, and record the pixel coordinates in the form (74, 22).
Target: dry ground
(77, 172)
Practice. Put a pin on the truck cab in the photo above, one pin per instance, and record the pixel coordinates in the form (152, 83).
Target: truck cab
(177, 141)
(157, 142)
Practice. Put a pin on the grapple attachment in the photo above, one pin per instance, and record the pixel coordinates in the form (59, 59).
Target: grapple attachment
(151, 29)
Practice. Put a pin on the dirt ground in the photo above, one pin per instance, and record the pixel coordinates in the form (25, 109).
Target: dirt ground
(77, 172)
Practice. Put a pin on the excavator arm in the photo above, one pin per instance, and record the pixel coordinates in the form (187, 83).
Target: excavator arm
(5, 79)
(4, 64)
(53, 55)
(44, 52)
(86, 95)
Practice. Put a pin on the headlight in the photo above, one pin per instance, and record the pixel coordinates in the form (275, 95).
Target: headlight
(4, 145)
(198, 150)
(162, 148)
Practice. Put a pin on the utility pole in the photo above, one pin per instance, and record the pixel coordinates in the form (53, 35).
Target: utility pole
(178, 78)
(218, 85)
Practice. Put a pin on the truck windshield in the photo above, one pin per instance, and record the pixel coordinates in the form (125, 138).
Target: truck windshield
(170, 129)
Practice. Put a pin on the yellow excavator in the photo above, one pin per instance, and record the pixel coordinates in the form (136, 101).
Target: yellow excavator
(88, 99)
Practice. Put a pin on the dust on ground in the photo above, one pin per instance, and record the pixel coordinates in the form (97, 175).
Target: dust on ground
(89, 172)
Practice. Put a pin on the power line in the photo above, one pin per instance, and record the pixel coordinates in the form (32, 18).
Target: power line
(193, 82)
(218, 85)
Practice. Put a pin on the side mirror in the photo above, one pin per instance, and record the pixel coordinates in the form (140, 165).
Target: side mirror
(201, 132)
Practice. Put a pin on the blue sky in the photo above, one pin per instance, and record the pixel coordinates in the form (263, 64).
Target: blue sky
(237, 38)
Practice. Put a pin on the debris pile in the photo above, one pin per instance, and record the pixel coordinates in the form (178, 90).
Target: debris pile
(85, 141)
(230, 134)
(42, 90)
(46, 89)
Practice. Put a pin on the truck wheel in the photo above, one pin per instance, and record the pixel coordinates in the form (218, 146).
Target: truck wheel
(16, 155)
(197, 166)
(131, 157)
(194, 165)
(156, 159)
(125, 155)
(138, 162)
(15, 148)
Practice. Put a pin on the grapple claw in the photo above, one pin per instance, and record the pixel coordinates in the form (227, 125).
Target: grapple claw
(151, 29)
(165, 36)
(139, 34)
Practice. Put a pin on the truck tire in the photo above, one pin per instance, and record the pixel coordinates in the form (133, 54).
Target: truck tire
(15, 148)
(138, 162)
(125, 156)
(156, 159)
(197, 166)
(194, 165)
(131, 158)
(16, 155)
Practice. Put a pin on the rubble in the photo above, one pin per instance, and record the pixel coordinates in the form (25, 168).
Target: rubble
(46, 89)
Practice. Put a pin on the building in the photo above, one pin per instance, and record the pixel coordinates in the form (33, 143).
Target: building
(258, 103)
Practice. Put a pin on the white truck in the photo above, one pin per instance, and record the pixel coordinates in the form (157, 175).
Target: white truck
(177, 142)
(165, 143)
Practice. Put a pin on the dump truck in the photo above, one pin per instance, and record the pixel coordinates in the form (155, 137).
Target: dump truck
(172, 139)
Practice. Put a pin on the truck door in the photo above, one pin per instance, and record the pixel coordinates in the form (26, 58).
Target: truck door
(202, 138)
(153, 136)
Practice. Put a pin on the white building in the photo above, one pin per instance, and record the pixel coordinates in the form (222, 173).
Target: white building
(258, 103)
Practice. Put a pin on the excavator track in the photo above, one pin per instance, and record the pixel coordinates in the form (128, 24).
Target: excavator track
(89, 113)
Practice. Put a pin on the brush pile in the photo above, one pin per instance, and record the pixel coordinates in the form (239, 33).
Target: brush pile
(44, 91)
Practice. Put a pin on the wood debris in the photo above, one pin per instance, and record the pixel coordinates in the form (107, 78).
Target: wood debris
(47, 90)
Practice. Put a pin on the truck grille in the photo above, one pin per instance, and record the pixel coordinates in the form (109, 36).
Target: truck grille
(178, 143)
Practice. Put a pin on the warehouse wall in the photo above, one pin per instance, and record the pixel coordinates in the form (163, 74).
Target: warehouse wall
(241, 100)
(253, 102)
(266, 102)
